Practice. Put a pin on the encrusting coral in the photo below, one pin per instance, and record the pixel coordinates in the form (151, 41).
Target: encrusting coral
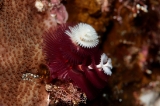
(73, 54)
(21, 28)
(89, 11)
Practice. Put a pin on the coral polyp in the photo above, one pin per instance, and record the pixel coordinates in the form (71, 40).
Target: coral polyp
(73, 55)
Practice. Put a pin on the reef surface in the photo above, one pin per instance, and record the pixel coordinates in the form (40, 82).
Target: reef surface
(21, 29)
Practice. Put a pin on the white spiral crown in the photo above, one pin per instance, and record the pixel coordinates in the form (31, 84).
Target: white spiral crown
(83, 35)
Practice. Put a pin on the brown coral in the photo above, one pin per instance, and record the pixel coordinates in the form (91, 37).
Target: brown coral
(87, 11)
(21, 28)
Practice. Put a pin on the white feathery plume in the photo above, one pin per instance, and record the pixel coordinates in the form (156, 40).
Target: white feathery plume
(84, 35)
(105, 64)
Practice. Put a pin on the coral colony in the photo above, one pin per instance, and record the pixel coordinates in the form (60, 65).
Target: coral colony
(73, 55)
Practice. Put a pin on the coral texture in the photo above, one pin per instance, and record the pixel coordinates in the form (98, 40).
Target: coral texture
(65, 93)
(88, 11)
(21, 28)
(70, 60)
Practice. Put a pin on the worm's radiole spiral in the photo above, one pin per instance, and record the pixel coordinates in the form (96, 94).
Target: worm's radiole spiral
(84, 35)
